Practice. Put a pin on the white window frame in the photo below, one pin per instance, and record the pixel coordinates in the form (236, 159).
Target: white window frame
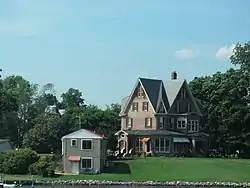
(161, 122)
(140, 144)
(87, 158)
(158, 149)
(182, 119)
(193, 125)
(148, 122)
(145, 104)
(86, 140)
(71, 142)
(130, 122)
(135, 104)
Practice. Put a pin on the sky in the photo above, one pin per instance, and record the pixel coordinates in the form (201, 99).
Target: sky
(102, 47)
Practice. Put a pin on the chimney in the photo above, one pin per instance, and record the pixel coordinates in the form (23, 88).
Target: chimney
(174, 75)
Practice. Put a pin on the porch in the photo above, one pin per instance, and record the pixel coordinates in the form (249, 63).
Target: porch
(168, 145)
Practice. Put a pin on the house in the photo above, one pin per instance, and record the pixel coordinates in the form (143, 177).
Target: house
(84, 151)
(162, 118)
(5, 145)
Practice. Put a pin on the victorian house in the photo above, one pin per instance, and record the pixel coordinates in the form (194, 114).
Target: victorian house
(162, 118)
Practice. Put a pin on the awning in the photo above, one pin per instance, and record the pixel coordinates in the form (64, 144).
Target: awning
(146, 139)
(181, 140)
(74, 158)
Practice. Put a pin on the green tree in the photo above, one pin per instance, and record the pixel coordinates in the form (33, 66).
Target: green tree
(45, 136)
(72, 98)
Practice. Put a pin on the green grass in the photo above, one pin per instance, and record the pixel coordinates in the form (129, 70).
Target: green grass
(171, 169)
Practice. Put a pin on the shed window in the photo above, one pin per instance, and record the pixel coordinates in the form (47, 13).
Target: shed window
(86, 144)
(86, 163)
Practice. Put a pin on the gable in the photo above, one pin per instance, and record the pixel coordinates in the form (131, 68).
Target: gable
(151, 90)
(178, 101)
(162, 104)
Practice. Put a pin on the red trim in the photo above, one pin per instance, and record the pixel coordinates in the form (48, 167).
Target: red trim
(98, 134)
(74, 158)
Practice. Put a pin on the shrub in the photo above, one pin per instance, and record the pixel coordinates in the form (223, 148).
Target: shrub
(44, 167)
(18, 161)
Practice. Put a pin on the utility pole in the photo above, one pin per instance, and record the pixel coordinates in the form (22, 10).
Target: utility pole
(79, 122)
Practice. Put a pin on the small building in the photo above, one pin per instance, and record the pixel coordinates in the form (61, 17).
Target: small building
(5, 145)
(84, 151)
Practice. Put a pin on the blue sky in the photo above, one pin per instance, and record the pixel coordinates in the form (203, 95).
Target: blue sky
(102, 47)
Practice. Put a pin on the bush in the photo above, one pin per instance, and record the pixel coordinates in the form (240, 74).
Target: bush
(44, 167)
(17, 161)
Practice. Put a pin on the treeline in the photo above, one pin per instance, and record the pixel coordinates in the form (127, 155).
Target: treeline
(31, 115)
(27, 122)
(225, 99)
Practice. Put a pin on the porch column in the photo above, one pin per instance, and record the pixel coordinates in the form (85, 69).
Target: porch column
(193, 143)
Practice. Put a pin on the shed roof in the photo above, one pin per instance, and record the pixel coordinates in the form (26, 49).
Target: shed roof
(84, 133)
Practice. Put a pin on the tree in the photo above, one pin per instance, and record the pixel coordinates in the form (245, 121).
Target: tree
(45, 136)
(223, 97)
(241, 56)
(23, 92)
(72, 98)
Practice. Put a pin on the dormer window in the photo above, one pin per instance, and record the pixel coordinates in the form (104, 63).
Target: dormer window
(183, 93)
(140, 93)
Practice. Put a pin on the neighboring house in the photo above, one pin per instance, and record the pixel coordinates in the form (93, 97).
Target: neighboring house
(162, 118)
(53, 110)
(84, 151)
(5, 145)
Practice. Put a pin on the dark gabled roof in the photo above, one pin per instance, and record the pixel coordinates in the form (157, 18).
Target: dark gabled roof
(157, 91)
(152, 88)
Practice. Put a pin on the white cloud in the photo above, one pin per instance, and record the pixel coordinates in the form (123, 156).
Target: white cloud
(225, 52)
(186, 53)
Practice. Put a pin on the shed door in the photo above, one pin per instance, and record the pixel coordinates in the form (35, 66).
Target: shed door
(75, 167)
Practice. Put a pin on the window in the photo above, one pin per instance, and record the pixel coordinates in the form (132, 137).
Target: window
(129, 122)
(145, 106)
(189, 108)
(171, 123)
(161, 108)
(181, 123)
(148, 122)
(138, 145)
(73, 142)
(162, 145)
(161, 122)
(183, 93)
(135, 106)
(86, 163)
(178, 106)
(86, 144)
(193, 125)
(140, 93)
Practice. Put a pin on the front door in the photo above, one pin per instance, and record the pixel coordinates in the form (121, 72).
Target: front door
(75, 167)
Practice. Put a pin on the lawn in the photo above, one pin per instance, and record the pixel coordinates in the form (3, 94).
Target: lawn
(170, 169)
